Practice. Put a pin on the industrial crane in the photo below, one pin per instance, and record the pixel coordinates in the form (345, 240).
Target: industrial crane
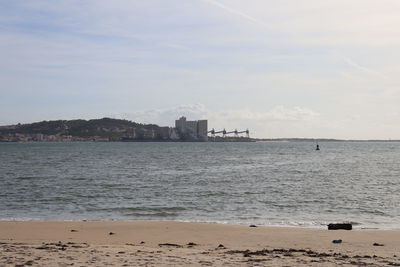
(224, 132)
(213, 132)
(246, 131)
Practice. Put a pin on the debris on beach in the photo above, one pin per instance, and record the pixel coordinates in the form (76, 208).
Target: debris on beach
(28, 263)
(378, 245)
(111, 233)
(169, 245)
(53, 246)
(340, 226)
(337, 241)
(253, 225)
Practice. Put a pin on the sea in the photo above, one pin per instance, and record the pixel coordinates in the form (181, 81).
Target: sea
(261, 183)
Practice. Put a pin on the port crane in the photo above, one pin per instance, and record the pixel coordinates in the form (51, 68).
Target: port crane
(239, 132)
(224, 132)
(213, 132)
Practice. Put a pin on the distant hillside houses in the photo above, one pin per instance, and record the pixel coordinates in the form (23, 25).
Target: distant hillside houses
(103, 130)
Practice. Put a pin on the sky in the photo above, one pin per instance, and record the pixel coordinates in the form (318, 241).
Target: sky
(288, 68)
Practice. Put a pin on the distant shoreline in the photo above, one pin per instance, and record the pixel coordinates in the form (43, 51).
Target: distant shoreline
(116, 130)
(251, 140)
(320, 140)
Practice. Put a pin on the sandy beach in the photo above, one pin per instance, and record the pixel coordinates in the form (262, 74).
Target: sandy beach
(154, 243)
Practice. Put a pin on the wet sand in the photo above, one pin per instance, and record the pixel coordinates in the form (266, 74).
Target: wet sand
(156, 243)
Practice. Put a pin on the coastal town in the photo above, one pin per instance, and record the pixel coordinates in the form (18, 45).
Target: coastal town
(109, 130)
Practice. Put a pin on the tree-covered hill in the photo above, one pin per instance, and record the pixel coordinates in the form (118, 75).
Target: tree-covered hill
(113, 129)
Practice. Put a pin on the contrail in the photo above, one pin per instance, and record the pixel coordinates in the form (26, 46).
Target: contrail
(347, 60)
(239, 13)
(363, 69)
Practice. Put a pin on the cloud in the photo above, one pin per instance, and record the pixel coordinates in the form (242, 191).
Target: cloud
(229, 119)
(278, 113)
(166, 116)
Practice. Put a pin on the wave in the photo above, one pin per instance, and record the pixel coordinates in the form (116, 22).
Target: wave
(138, 209)
(156, 214)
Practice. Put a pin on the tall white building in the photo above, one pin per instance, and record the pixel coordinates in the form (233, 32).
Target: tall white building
(192, 130)
(202, 130)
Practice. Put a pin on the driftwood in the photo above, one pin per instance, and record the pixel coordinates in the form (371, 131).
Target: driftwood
(340, 226)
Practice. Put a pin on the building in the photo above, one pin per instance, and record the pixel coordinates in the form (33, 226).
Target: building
(173, 134)
(202, 130)
(192, 130)
(39, 137)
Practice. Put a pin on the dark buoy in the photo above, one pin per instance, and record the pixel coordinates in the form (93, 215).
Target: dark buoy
(317, 147)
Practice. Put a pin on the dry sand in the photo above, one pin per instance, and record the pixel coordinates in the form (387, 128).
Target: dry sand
(145, 243)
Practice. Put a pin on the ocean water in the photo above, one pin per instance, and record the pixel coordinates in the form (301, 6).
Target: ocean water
(264, 183)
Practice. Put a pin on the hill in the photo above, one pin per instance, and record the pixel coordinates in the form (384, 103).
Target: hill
(105, 129)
